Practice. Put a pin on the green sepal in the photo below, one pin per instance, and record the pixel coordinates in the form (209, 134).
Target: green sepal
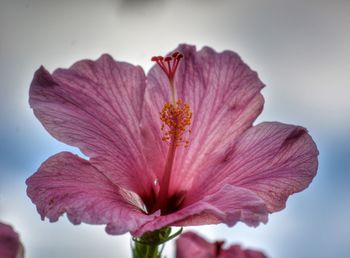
(147, 246)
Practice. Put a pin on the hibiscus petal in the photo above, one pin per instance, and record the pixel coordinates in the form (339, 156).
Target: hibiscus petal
(68, 184)
(96, 106)
(236, 251)
(224, 95)
(228, 205)
(272, 159)
(10, 245)
(190, 245)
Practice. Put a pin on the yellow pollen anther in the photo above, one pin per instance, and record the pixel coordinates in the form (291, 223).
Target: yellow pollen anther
(176, 118)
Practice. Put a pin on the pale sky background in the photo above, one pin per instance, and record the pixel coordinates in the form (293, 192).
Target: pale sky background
(299, 48)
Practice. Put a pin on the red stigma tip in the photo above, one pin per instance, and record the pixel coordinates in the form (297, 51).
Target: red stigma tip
(174, 55)
(171, 64)
(179, 56)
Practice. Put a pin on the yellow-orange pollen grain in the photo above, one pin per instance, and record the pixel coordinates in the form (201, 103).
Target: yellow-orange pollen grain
(175, 122)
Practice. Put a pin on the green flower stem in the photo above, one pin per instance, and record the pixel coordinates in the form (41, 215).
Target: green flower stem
(146, 251)
(151, 244)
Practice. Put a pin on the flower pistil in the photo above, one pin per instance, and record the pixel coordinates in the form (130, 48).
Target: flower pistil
(169, 66)
(176, 118)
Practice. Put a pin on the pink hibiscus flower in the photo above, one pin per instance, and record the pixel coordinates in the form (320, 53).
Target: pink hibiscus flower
(10, 245)
(159, 156)
(190, 245)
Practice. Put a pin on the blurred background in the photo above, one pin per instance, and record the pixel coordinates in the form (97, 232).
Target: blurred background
(299, 48)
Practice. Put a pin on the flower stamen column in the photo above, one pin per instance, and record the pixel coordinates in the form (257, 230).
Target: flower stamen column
(176, 118)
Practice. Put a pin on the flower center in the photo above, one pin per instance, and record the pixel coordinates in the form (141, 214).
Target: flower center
(176, 118)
